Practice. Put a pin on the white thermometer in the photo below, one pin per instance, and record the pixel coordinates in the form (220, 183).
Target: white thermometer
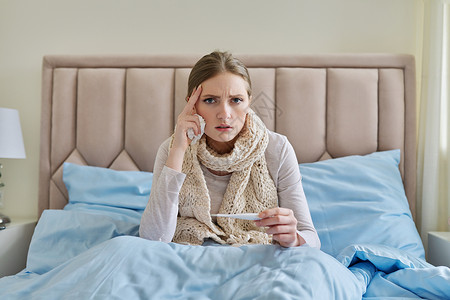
(249, 216)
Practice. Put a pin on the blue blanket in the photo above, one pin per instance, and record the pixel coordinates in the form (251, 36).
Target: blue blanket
(134, 268)
(94, 254)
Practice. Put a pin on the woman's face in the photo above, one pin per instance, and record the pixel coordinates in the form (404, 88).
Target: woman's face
(223, 104)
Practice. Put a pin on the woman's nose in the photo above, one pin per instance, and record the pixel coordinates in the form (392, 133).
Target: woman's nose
(224, 111)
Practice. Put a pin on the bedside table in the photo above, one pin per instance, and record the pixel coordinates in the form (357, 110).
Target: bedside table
(439, 248)
(14, 243)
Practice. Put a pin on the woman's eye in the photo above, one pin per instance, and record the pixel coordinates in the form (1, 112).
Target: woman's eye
(209, 100)
(237, 100)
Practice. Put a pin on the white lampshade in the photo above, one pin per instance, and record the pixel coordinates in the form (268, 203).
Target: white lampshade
(11, 141)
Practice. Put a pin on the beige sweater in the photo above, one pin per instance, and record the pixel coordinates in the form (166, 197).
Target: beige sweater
(160, 216)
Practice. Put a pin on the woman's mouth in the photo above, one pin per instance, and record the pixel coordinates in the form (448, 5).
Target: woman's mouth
(224, 127)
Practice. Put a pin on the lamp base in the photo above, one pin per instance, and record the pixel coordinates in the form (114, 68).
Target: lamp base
(4, 219)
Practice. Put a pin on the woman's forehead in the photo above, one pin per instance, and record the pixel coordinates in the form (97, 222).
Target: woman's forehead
(225, 82)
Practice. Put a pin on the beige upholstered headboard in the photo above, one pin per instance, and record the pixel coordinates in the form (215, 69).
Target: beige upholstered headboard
(114, 111)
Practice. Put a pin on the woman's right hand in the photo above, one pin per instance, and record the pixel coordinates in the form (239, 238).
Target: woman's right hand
(186, 119)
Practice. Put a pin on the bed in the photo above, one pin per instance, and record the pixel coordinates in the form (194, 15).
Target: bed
(351, 120)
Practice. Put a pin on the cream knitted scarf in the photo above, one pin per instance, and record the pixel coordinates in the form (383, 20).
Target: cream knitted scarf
(250, 189)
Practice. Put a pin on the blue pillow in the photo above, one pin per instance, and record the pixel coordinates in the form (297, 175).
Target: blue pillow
(61, 235)
(102, 186)
(103, 204)
(360, 200)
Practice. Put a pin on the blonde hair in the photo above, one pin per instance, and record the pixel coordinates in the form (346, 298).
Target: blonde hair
(215, 63)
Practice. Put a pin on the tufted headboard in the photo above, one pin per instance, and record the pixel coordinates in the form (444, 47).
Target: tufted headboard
(114, 111)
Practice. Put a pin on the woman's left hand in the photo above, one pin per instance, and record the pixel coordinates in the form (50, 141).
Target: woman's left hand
(282, 224)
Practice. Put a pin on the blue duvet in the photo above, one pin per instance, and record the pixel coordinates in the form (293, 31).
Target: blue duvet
(93, 253)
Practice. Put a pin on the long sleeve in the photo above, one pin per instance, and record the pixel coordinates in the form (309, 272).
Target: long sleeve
(159, 219)
(290, 189)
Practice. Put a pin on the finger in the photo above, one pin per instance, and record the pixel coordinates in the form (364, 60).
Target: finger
(274, 211)
(195, 89)
(192, 93)
(278, 219)
(285, 240)
(192, 100)
(197, 127)
(272, 220)
(281, 229)
(189, 121)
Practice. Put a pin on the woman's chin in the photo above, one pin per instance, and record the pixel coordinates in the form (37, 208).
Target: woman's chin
(219, 137)
(224, 137)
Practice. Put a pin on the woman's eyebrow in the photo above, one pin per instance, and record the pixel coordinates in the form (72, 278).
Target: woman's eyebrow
(209, 96)
(215, 96)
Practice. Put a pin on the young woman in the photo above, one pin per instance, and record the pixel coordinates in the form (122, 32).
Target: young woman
(237, 166)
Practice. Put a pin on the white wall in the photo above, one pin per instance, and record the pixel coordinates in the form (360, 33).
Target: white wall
(33, 28)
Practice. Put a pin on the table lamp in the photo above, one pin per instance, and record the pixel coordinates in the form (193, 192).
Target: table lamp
(11, 142)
